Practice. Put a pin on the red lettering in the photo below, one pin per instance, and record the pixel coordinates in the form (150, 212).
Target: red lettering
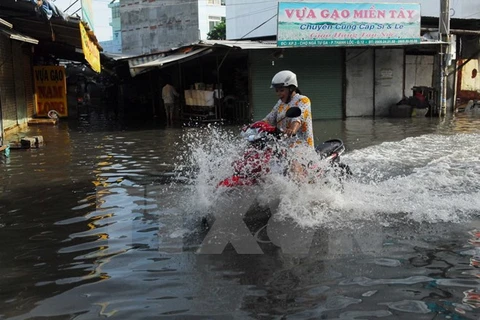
(47, 92)
(289, 13)
(42, 92)
(53, 105)
(335, 15)
(311, 15)
(359, 14)
(57, 92)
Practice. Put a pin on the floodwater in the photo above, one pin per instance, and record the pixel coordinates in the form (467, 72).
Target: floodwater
(105, 221)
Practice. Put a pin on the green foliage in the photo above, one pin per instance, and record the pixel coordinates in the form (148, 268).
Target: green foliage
(219, 32)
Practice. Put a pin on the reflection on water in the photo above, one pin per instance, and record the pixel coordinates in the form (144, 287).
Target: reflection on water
(96, 224)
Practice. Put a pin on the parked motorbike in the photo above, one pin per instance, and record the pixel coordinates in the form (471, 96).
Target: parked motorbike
(266, 154)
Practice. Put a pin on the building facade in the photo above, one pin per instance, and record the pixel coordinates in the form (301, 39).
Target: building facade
(353, 81)
(160, 25)
(28, 40)
(115, 44)
(16, 83)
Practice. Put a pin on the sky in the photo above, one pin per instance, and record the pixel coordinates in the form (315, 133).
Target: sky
(102, 15)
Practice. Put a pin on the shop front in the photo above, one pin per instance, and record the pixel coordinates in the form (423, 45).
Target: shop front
(320, 77)
(212, 82)
(16, 95)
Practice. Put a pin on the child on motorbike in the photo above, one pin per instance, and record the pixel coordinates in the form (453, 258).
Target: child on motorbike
(286, 86)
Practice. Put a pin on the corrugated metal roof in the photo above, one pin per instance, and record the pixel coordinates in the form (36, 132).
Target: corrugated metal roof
(59, 29)
(6, 28)
(241, 44)
(143, 63)
(6, 23)
(15, 35)
(173, 57)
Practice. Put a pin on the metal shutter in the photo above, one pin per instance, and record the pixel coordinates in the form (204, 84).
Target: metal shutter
(28, 76)
(19, 80)
(319, 72)
(7, 85)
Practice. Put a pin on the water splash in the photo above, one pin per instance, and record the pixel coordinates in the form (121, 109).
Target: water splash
(430, 178)
(206, 159)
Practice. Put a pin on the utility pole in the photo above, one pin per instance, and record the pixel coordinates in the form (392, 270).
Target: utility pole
(444, 34)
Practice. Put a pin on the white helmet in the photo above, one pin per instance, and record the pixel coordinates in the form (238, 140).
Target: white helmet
(284, 78)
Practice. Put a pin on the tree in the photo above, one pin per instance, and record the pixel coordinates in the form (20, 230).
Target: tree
(219, 32)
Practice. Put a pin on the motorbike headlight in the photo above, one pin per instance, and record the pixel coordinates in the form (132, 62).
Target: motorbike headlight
(250, 134)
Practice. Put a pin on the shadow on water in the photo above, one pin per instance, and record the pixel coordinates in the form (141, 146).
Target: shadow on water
(92, 225)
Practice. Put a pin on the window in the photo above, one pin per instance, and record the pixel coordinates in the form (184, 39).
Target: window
(213, 21)
(116, 12)
(216, 2)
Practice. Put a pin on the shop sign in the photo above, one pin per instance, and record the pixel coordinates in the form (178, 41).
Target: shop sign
(50, 90)
(308, 24)
(90, 50)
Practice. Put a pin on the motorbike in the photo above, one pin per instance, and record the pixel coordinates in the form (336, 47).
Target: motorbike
(268, 152)
(264, 154)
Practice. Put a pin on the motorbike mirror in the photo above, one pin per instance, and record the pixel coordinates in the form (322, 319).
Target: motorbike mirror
(293, 112)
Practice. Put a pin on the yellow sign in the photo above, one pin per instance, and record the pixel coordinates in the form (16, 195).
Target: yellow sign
(90, 50)
(50, 90)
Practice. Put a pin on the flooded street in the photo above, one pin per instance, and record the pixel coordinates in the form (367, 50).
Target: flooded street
(105, 220)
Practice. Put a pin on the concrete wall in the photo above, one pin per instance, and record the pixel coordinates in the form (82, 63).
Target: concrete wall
(243, 16)
(359, 82)
(116, 22)
(157, 25)
(388, 79)
(373, 77)
(204, 11)
(470, 80)
(418, 72)
(112, 46)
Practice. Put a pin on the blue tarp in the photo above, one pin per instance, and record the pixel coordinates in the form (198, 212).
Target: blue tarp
(47, 9)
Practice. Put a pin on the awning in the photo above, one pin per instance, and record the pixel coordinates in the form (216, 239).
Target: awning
(174, 57)
(241, 44)
(133, 63)
(6, 28)
(14, 35)
(6, 23)
(59, 35)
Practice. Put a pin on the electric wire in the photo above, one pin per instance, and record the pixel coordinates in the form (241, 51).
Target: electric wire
(174, 3)
(152, 5)
(263, 10)
(77, 10)
(71, 5)
(259, 25)
(252, 13)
